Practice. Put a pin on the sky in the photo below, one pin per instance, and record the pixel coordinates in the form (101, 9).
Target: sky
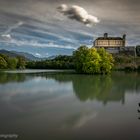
(52, 27)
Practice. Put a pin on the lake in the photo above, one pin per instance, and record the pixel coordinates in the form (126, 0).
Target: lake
(63, 105)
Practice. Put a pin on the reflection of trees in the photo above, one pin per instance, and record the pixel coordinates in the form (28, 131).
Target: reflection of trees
(127, 81)
(11, 77)
(88, 87)
(96, 87)
(6, 77)
(101, 88)
(106, 88)
(91, 87)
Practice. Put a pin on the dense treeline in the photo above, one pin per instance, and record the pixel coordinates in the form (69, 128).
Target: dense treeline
(7, 62)
(60, 62)
(90, 60)
(84, 60)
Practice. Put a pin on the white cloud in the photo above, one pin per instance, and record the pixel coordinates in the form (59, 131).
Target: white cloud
(35, 43)
(78, 13)
(6, 36)
(38, 54)
(47, 54)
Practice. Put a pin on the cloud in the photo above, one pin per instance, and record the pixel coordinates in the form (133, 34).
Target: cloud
(13, 27)
(38, 54)
(78, 13)
(79, 120)
(6, 35)
(35, 43)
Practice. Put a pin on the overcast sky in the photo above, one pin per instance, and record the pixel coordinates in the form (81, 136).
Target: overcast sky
(51, 27)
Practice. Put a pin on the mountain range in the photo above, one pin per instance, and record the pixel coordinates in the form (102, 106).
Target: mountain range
(26, 55)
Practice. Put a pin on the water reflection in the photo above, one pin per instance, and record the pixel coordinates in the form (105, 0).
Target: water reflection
(7, 77)
(102, 88)
(87, 87)
(51, 105)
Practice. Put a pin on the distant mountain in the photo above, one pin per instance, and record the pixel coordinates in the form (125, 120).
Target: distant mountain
(51, 57)
(9, 53)
(27, 56)
(23, 54)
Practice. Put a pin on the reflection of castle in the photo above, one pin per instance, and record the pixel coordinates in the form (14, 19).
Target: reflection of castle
(109, 42)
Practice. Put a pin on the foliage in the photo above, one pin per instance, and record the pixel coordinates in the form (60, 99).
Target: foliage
(79, 58)
(84, 60)
(12, 63)
(130, 67)
(127, 62)
(60, 62)
(119, 59)
(106, 62)
(93, 61)
(3, 63)
(138, 50)
(7, 62)
(21, 63)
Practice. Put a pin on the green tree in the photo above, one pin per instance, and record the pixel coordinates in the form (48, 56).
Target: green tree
(12, 63)
(3, 63)
(93, 61)
(21, 62)
(79, 58)
(106, 62)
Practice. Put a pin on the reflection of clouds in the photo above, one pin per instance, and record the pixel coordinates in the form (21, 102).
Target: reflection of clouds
(84, 119)
(38, 85)
(80, 120)
(35, 71)
(34, 92)
(38, 79)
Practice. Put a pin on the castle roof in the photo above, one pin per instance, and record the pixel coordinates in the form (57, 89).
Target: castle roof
(109, 38)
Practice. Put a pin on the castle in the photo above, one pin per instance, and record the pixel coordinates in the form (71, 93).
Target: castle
(114, 45)
(110, 42)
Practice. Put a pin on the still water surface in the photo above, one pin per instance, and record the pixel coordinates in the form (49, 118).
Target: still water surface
(56, 105)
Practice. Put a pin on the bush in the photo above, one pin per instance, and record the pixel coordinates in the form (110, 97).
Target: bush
(7, 62)
(131, 67)
(93, 61)
(138, 50)
(3, 63)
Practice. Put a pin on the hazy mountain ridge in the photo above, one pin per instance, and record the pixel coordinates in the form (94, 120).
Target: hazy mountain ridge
(27, 56)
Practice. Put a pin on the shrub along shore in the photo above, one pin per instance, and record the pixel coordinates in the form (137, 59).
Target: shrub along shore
(126, 63)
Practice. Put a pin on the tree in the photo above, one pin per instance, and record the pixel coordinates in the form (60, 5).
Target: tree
(106, 62)
(21, 63)
(79, 58)
(138, 50)
(93, 61)
(12, 63)
(3, 63)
